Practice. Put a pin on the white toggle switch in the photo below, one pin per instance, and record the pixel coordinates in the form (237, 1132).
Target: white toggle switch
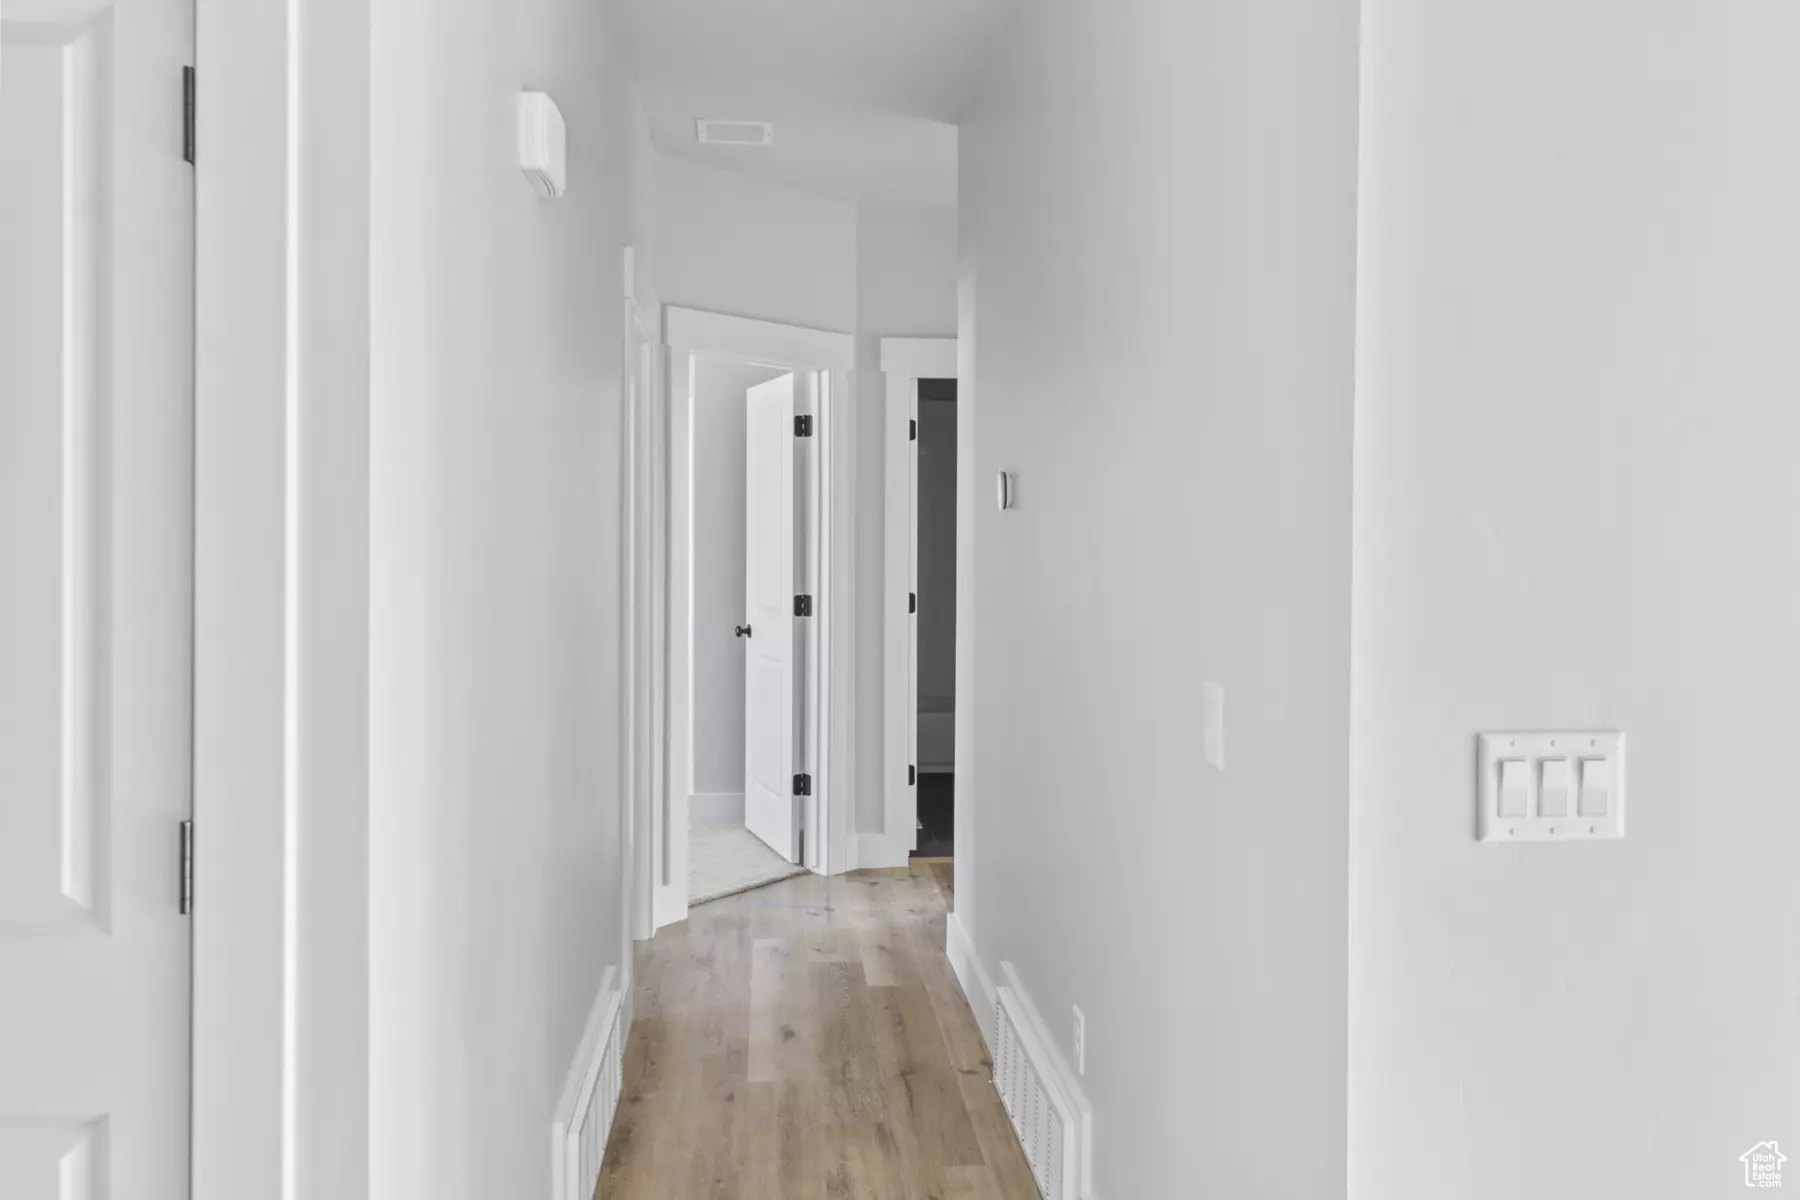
(1554, 788)
(1596, 787)
(1515, 788)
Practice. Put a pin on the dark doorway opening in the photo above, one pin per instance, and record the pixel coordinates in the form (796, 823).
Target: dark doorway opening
(936, 618)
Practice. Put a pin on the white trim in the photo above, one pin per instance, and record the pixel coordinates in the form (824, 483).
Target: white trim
(834, 678)
(716, 808)
(281, 938)
(246, 596)
(905, 361)
(920, 358)
(669, 820)
(959, 948)
(581, 1085)
(640, 652)
(691, 333)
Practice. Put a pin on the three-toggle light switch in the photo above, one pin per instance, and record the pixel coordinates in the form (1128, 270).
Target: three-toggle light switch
(1551, 786)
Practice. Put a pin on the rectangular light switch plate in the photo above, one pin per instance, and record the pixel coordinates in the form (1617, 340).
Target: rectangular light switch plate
(1212, 721)
(1080, 1041)
(1551, 787)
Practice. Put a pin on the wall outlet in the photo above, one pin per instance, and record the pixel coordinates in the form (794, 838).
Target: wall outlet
(1212, 722)
(1080, 1041)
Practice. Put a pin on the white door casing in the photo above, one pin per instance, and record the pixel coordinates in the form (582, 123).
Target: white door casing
(640, 654)
(671, 661)
(769, 676)
(904, 361)
(96, 534)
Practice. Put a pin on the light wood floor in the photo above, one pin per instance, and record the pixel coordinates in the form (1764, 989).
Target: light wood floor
(807, 1041)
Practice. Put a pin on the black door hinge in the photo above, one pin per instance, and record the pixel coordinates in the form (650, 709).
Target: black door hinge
(803, 425)
(912, 602)
(803, 606)
(187, 868)
(912, 776)
(912, 431)
(187, 115)
(803, 785)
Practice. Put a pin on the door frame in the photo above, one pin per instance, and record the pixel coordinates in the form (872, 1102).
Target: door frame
(831, 639)
(904, 362)
(281, 588)
(643, 653)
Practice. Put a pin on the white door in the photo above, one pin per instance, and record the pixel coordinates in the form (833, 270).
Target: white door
(96, 570)
(770, 810)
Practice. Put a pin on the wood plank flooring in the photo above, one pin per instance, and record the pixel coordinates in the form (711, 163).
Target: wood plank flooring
(807, 1041)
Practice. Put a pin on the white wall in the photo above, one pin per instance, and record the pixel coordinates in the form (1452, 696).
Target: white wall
(719, 571)
(1576, 502)
(906, 271)
(495, 852)
(728, 243)
(1158, 252)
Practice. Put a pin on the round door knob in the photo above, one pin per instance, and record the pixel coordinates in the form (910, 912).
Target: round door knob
(743, 631)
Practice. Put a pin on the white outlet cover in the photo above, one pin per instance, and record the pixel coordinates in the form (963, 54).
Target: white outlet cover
(1592, 755)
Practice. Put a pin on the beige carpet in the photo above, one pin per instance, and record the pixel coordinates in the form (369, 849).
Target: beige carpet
(726, 859)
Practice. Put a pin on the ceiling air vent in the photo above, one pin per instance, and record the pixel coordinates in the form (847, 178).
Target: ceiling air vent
(734, 133)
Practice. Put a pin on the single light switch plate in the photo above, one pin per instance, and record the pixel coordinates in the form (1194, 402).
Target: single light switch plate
(1551, 787)
(1080, 1041)
(1212, 721)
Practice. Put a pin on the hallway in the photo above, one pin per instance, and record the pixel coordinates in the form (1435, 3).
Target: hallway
(807, 1041)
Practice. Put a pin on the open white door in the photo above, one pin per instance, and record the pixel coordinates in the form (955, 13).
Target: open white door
(96, 598)
(770, 809)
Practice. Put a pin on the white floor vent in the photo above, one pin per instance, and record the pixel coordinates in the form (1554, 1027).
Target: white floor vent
(590, 1098)
(1048, 1113)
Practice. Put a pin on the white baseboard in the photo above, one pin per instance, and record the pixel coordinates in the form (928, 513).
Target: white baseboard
(590, 1096)
(976, 986)
(716, 808)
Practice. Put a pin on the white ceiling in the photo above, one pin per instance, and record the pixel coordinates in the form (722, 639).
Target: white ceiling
(864, 94)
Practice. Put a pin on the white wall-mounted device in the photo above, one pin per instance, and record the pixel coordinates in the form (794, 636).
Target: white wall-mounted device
(1212, 724)
(543, 153)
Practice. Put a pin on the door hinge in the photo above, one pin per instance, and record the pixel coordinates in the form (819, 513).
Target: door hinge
(803, 606)
(912, 431)
(912, 776)
(912, 602)
(803, 785)
(803, 425)
(187, 868)
(188, 117)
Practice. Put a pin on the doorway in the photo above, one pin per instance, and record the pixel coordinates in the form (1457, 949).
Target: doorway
(760, 606)
(919, 683)
(752, 534)
(934, 622)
